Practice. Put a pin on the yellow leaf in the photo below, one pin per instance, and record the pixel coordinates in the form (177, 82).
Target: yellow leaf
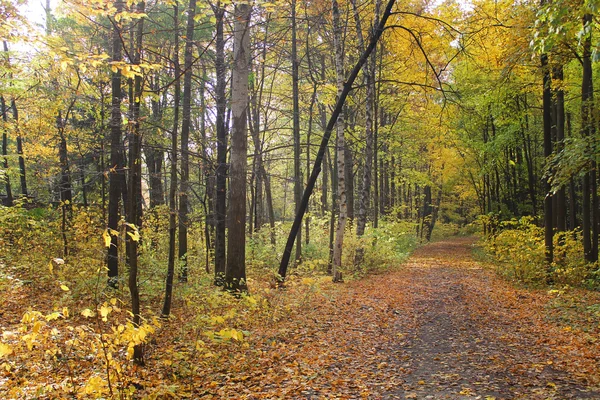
(135, 235)
(87, 313)
(65, 288)
(53, 316)
(106, 237)
(104, 311)
(5, 350)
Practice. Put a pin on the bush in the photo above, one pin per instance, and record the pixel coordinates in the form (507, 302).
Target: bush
(518, 247)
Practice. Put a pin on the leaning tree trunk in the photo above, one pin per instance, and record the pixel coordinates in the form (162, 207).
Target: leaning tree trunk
(310, 185)
(235, 272)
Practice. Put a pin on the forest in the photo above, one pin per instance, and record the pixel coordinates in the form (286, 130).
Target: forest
(299, 199)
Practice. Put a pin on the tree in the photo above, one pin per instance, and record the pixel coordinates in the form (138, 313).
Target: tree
(116, 178)
(235, 272)
(340, 145)
(296, 127)
(185, 133)
(166, 310)
(221, 169)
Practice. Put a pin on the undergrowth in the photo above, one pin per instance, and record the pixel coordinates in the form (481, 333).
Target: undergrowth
(518, 251)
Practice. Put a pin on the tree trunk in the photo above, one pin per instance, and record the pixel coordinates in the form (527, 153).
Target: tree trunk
(185, 133)
(22, 175)
(116, 178)
(6, 177)
(561, 206)
(134, 209)
(340, 145)
(221, 170)
(296, 128)
(547, 114)
(587, 125)
(166, 310)
(235, 272)
(369, 75)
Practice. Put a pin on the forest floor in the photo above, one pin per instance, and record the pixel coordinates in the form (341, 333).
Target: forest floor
(440, 326)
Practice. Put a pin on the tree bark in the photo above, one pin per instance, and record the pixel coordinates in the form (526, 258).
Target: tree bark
(134, 201)
(235, 272)
(221, 170)
(340, 145)
(166, 310)
(590, 212)
(6, 177)
(185, 133)
(547, 120)
(296, 128)
(116, 178)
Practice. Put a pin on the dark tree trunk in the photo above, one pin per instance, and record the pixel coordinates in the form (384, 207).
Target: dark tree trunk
(166, 310)
(589, 217)
(4, 111)
(116, 178)
(22, 174)
(561, 202)
(296, 128)
(134, 201)
(185, 134)
(221, 170)
(547, 114)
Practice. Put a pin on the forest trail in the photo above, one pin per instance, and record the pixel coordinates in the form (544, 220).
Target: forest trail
(441, 327)
(467, 338)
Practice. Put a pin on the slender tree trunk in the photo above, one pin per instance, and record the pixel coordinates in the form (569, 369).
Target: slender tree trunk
(296, 128)
(22, 175)
(340, 145)
(561, 202)
(134, 209)
(221, 170)
(116, 178)
(369, 74)
(185, 133)
(6, 177)
(587, 131)
(547, 113)
(166, 310)
(235, 272)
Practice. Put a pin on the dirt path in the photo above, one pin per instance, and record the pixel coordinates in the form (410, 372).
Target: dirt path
(439, 327)
(463, 341)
